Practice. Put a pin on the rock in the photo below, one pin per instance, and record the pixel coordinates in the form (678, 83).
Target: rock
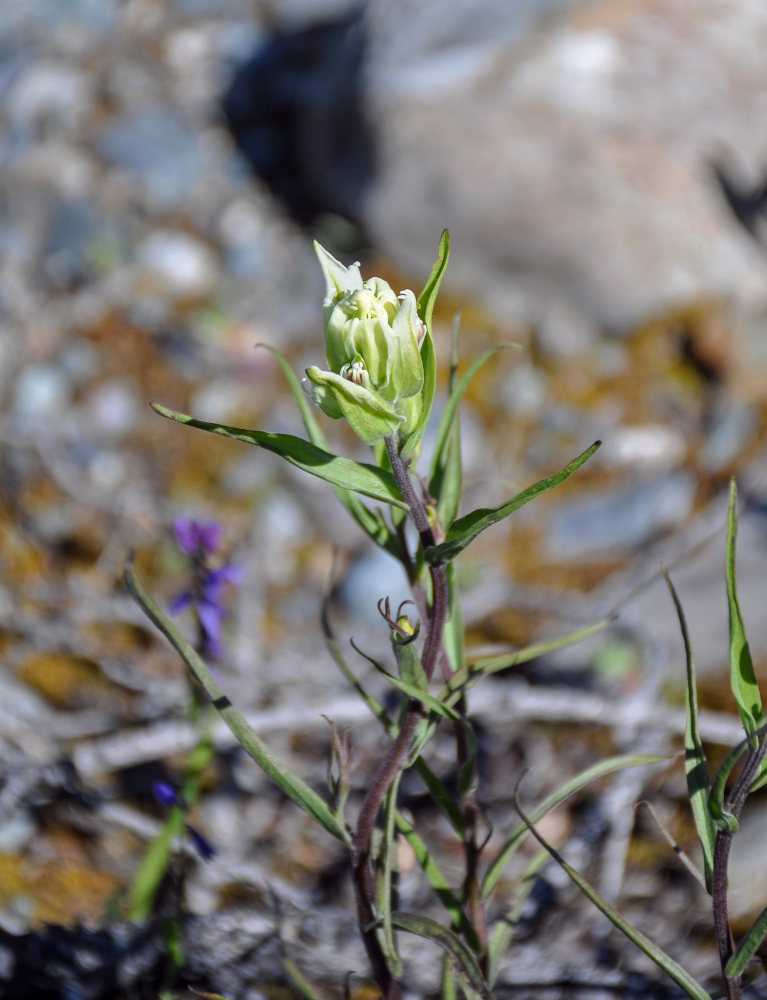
(113, 407)
(42, 391)
(176, 265)
(159, 149)
(373, 575)
(48, 93)
(570, 160)
(621, 519)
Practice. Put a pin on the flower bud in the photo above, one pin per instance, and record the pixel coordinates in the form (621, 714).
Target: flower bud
(373, 340)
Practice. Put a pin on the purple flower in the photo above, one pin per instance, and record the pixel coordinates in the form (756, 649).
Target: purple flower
(199, 541)
(197, 538)
(164, 793)
(167, 796)
(204, 848)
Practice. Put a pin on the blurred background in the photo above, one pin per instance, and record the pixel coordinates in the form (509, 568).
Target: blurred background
(164, 167)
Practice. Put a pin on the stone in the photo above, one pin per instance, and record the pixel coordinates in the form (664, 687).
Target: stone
(158, 148)
(570, 155)
(622, 518)
(177, 265)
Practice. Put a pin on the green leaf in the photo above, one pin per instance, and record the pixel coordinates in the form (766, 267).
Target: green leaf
(437, 880)
(425, 308)
(375, 483)
(580, 780)
(427, 298)
(371, 522)
(153, 866)
(742, 677)
(452, 637)
(468, 676)
(724, 820)
(305, 407)
(300, 982)
(463, 531)
(673, 970)
(503, 930)
(418, 694)
(465, 968)
(387, 856)
(290, 783)
(449, 422)
(446, 478)
(748, 946)
(695, 765)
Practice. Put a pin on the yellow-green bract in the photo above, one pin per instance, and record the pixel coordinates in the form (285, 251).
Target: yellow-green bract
(373, 343)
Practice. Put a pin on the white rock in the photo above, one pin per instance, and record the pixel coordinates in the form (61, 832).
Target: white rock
(177, 265)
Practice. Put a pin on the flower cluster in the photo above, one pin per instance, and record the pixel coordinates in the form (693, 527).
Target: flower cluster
(375, 343)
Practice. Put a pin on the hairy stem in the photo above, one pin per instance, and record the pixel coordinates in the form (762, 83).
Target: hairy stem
(722, 845)
(396, 755)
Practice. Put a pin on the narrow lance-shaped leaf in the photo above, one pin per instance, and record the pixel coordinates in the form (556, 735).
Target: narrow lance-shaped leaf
(673, 970)
(290, 783)
(427, 298)
(502, 932)
(386, 865)
(558, 796)
(463, 531)
(437, 880)
(695, 766)
(378, 484)
(748, 946)
(371, 522)
(465, 968)
(742, 677)
(449, 421)
(466, 677)
(452, 637)
(446, 476)
(425, 308)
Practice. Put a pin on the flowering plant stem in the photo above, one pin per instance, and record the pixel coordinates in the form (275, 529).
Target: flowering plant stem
(722, 845)
(394, 759)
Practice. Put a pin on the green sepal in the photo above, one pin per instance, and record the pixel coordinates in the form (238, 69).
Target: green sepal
(367, 413)
(463, 531)
(371, 522)
(370, 481)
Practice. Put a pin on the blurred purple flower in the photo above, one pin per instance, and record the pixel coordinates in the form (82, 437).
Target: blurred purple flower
(199, 541)
(164, 793)
(204, 848)
(196, 538)
(167, 796)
